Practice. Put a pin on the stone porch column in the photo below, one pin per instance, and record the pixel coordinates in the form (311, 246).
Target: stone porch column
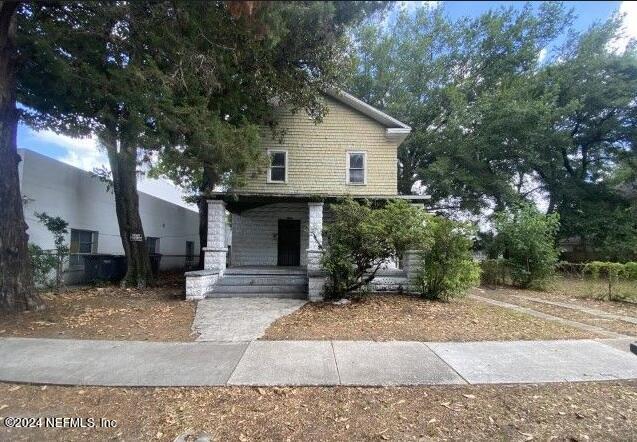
(216, 249)
(316, 277)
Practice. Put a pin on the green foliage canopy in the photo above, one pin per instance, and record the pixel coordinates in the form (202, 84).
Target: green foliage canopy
(500, 118)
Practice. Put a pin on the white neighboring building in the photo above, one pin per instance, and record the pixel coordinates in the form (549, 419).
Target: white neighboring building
(83, 201)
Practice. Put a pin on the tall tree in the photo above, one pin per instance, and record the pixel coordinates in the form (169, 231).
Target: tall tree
(590, 136)
(446, 69)
(16, 282)
(104, 68)
(274, 54)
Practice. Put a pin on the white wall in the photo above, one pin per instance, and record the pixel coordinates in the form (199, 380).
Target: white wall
(82, 200)
(255, 233)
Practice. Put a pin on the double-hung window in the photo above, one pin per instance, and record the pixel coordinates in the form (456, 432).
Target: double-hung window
(278, 170)
(83, 242)
(356, 168)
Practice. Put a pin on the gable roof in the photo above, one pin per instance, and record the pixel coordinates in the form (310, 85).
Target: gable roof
(394, 127)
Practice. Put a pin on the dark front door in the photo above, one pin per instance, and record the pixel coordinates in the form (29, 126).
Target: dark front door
(289, 242)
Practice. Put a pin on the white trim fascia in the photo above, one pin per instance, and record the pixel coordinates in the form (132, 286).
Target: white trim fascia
(366, 109)
(347, 154)
(269, 180)
(395, 133)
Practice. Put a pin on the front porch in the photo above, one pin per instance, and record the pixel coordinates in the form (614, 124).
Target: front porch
(274, 251)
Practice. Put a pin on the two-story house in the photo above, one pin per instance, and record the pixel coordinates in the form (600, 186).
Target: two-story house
(277, 216)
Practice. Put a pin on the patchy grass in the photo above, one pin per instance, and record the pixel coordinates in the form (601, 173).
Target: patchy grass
(154, 314)
(578, 411)
(405, 318)
(579, 287)
(521, 297)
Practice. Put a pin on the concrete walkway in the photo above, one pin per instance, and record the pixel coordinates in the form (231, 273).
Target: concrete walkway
(364, 363)
(239, 319)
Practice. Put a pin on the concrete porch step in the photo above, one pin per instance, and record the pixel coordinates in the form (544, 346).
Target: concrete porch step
(254, 280)
(278, 295)
(265, 270)
(259, 288)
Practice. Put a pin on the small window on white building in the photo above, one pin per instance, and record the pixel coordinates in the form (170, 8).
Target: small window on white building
(190, 253)
(277, 172)
(356, 168)
(152, 244)
(83, 242)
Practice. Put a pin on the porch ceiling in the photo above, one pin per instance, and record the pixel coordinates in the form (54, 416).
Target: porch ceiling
(238, 202)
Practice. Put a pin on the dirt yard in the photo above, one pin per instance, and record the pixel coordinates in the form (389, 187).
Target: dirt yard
(579, 411)
(533, 300)
(578, 287)
(393, 317)
(154, 314)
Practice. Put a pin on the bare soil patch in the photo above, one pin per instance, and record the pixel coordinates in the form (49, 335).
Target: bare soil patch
(110, 312)
(510, 295)
(576, 291)
(404, 318)
(580, 411)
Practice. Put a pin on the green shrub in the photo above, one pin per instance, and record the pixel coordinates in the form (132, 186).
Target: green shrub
(58, 228)
(494, 272)
(612, 273)
(631, 270)
(42, 264)
(527, 239)
(360, 239)
(447, 269)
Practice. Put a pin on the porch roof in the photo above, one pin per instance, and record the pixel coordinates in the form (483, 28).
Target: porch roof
(239, 201)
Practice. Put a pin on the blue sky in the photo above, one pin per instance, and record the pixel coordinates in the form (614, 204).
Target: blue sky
(84, 153)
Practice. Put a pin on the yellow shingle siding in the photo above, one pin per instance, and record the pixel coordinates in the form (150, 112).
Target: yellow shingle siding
(317, 154)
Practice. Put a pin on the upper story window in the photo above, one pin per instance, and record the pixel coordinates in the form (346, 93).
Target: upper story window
(278, 170)
(356, 168)
(152, 244)
(83, 242)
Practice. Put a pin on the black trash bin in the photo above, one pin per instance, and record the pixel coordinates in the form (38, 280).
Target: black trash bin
(103, 267)
(155, 260)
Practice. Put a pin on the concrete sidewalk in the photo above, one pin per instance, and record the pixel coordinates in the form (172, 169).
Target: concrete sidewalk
(364, 363)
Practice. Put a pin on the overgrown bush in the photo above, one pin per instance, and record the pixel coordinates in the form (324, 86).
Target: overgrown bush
(494, 272)
(527, 241)
(42, 264)
(360, 239)
(447, 268)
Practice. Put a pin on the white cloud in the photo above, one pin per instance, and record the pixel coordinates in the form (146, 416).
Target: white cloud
(79, 152)
(629, 29)
(542, 55)
(411, 5)
(85, 154)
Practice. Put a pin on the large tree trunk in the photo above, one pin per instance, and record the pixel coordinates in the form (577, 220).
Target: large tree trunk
(406, 172)
(122, 158)
(16, 281)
